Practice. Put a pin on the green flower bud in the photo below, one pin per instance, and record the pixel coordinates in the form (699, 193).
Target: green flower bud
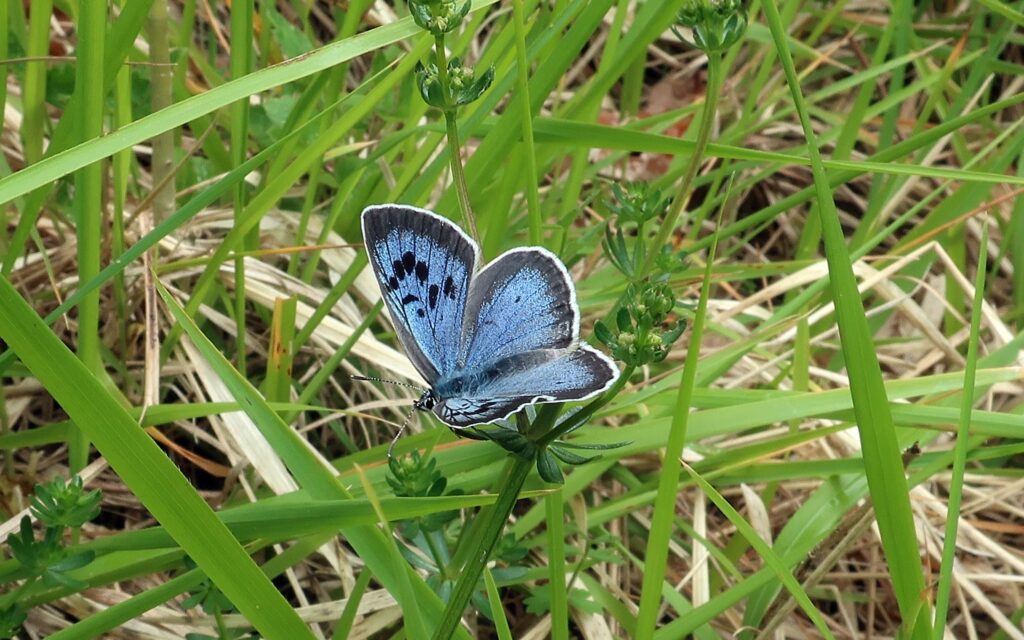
(716, 24)
(438, 16)
(430, 86)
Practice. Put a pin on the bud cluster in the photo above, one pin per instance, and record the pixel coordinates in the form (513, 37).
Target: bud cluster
(716, 24)
(438, 16)
(643, 332)
(463, 85)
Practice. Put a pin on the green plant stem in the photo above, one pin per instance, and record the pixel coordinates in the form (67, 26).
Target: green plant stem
(553, 503)
(960, 451)
(523, 94)
(707, 119)
(88, 202)
(222, 630)
(488, 536)
(454, 145)
(668, 480)
(19, 594)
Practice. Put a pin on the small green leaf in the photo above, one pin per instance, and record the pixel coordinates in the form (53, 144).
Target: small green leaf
(548, 469)
(569, 457)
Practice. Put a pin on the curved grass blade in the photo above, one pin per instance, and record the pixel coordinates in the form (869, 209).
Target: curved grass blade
(145, 469)
(63, 163)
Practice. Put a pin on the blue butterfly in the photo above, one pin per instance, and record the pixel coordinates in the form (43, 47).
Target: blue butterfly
(488, 341)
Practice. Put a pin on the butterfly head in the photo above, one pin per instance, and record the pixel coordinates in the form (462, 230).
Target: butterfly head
(426, 401)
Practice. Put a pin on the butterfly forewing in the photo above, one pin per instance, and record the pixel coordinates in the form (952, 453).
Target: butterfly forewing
(522, 379)
(522, 301)
(424, 264)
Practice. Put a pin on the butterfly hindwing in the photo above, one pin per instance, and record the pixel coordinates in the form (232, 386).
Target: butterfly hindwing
(424, 264)
(522, 301)
(547, 375)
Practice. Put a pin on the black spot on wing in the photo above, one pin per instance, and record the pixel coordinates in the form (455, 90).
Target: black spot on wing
(422, 272)
(399, 269)
(409, 261)
(393, 283)
(449, 287)
(420, 312)
(409, 298)
(432, 295)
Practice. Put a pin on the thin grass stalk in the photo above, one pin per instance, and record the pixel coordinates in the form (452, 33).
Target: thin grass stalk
(570, 197)
(526, 120)
(5, 13)
(114, 616)
(34, 89)
(241, 64)
(497, 613)
(161, 78)
(554, 505)
(766, 553)
(120, 166)
(1015, 231)
(487, 537)
(348, 614)
(707, 120)
(88, 202)
(325, 371)
(33, 108)
(956, 485)
(882, 462)
(412, 616)
(331, 299)
(454, 145)
(656, 555)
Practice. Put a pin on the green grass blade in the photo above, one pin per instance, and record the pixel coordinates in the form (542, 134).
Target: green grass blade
(88, 203)
(656, 555)
(960, 452)
(52, 168)
(883, 466)
(570, 133)
(372, 545)
(145, 469)
(764, 551)
(500, 621)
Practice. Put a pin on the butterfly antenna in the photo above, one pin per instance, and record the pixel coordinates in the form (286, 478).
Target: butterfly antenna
(405, 423)
(396, 382)
(408, 417)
